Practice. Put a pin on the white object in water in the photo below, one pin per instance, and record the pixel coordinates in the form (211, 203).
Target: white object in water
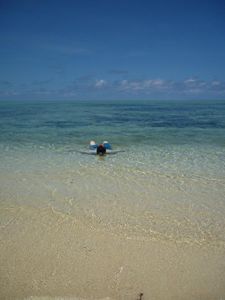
(93, 145)
(107, 145)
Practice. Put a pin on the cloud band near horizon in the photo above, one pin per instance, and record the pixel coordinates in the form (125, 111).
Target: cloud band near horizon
(91, 87)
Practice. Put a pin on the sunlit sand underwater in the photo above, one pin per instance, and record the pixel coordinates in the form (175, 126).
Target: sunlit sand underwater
(148, 220)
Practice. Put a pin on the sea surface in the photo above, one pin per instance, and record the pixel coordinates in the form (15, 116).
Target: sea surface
(165, 189)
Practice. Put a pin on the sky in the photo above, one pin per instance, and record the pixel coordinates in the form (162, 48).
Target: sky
(112, 49)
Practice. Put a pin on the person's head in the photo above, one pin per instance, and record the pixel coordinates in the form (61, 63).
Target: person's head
(101, 150)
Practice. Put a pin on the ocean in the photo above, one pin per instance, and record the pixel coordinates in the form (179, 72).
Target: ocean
(149, 219)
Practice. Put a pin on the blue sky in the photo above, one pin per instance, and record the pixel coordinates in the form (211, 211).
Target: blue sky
(112, 49)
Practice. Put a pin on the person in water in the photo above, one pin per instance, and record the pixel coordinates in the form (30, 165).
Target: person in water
(101, 150)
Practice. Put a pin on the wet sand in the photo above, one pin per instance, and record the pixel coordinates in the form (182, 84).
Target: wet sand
(47, 254)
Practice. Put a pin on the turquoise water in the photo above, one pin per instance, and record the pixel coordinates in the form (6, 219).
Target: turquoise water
(168, 184)
(127, 124)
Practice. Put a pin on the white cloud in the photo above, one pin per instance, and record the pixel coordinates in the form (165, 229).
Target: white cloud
(156, 84)
(190, 81)
(88, 86)
(216, 83)
(100, 83)
(144, 85)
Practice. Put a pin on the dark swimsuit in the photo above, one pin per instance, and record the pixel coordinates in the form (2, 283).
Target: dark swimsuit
(101, 150)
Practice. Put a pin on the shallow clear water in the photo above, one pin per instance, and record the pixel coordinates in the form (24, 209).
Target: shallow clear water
(173, 166)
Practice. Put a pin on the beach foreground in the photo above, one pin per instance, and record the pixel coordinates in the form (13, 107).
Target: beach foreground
(45, 253)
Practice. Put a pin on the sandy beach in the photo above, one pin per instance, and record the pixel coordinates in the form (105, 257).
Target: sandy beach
(45, 253)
